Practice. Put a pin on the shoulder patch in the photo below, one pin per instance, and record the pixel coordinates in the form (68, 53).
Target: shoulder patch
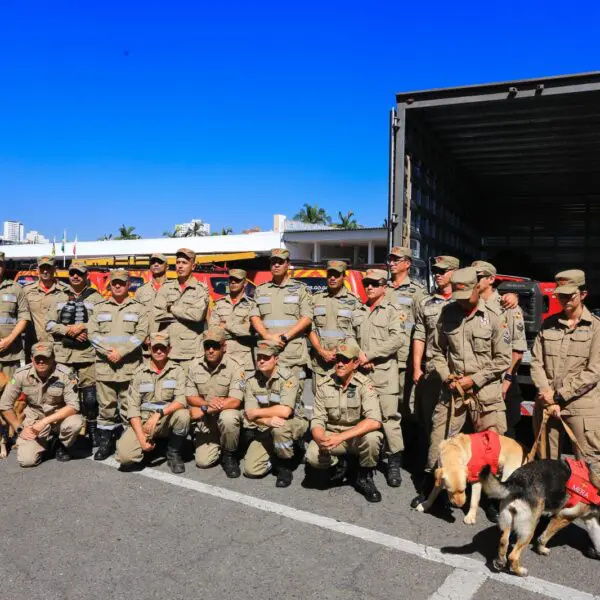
(289, 383)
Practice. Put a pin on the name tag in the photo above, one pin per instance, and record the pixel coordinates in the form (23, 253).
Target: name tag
(345, 313)
(102, 317)
(262, 399)
(9, 298)
(404, 300)
(291, 299)
(319, 310)
(263, 300)
(275, 398)
(131, 317)
(169, 384)
(145, 387)
(88, 305)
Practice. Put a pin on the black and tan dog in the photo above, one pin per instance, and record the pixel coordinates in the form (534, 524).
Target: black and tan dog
(6, 432)
(543, 487)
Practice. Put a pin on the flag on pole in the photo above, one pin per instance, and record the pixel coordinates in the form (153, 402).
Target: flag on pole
(53, 246)
(75, 248)
(62, 248)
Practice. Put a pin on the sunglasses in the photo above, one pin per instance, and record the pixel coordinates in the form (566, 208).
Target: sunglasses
(213, 345)
(439, 271)
(397, 259)
(374, 284)
(78, 273)
(235, 280)
(343, 359)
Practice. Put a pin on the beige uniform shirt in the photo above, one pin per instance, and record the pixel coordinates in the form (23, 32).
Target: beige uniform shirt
(281, 388)
(13, 308)
(146, 295)
(181, 313)
(338, 409)
(335, 319)
(43, 397)
(280, 307)
(40, 301)
(150, 391)
(381, 336)
(235, 320)
(513, 319)
(66, 349)
(568, 361)
(428, 312)
(478, 346)
(406, 296)
(122, 327)
(226, 380)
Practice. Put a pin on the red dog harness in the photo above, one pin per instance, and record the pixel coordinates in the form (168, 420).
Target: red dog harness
(579, 486)
(485, 450)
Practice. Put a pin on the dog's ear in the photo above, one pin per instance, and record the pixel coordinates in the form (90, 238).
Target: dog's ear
(439, 473)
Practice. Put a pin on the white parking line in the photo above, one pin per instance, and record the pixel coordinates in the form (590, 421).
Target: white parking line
(531, 584)
(459, 585)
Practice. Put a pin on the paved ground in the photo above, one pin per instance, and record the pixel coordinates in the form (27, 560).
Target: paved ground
(84, 530)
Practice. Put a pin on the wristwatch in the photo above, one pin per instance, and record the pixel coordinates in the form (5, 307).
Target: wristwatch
(204, 408)
(161, 412)
(508, 377)
(284, 338)
(19, 429)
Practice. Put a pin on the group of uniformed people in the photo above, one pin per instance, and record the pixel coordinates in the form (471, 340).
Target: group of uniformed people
(133, 370)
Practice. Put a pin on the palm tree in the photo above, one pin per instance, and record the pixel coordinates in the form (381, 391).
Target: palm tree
(106, 236)
(126, 233)
(347, 221)
(197, 229)
(171, 234)
(224, 231)
(313, 214)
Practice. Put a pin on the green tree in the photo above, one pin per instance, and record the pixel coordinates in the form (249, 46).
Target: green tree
(347, 221)
(106, 236)
(313, 214)
(171, 234)
(126, 233)
(224, 231)
(196, 230)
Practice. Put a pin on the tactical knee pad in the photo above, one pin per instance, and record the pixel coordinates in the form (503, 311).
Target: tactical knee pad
(89, 403)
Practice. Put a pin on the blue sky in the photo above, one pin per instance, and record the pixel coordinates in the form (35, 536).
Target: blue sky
(153, 113)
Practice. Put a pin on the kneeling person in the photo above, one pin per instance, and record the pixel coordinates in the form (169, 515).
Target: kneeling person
(214, 391)
(156, 408)
(52, 407)
(346, 419)
(274, 416)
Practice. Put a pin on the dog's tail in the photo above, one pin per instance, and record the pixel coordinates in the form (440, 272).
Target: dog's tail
(491, 485)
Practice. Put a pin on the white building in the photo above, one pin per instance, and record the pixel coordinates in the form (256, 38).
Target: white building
(197, 226)
(35, 237)
(13, 231)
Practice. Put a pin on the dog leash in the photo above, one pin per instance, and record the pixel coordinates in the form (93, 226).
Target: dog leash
(571, 435)
(540, 440)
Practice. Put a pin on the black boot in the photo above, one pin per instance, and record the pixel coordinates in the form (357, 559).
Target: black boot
(366, 486)
(61, 453)
(284, 473)
(106, 444)
(89, 409)
(338, 472)
(92, 432)
(174, 459)
(230, 464)
(424, 490)
(394, 475)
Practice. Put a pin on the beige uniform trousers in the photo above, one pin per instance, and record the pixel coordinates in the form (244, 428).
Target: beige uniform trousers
(278, 441)
(129, 450)
(86, 373)
(216, 432)
(367, 448)
(29, 452)
(112, 400)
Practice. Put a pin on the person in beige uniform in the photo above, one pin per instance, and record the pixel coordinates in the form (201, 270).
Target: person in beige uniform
(146, 294)
(346, 420)
(41, 295)
(215, 390)
(180, 309)
(273, 417)
(67, 323)
(565, 368)
(156, 408)
(14, 317)
(232, 313)
(51, 409)
(117, 329)
(513, 317)
(337, 313)
(382, 336)
(282, 313)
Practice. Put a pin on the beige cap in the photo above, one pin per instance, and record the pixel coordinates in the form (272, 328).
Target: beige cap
(267, 348)
(484, 268)
(186, 253)
(159, 339)
(214, 334)
(158, 256)
(119, 275)
(569, 282)
(238, 273)
(401, 251)
(45, 260)
(2, 256)
(464, 281)
(339, 266)
(349, 349)
(282, 253)
(446, 262)
(42, 349)
(77, 265)
(375, 275)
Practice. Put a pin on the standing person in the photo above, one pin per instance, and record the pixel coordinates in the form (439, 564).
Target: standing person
(117, 329)
(180, 309)
(347, 420)
(14, 316)
(215, 389)
(274, 416)
(513, 319)
(382, 336)
(156, 408)
(146, 294)
(282, 313)
(51, 407)
(336, 316)
(428, 384)
(41, 295)
(232, 313)
(67, 324)
(565, 369)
